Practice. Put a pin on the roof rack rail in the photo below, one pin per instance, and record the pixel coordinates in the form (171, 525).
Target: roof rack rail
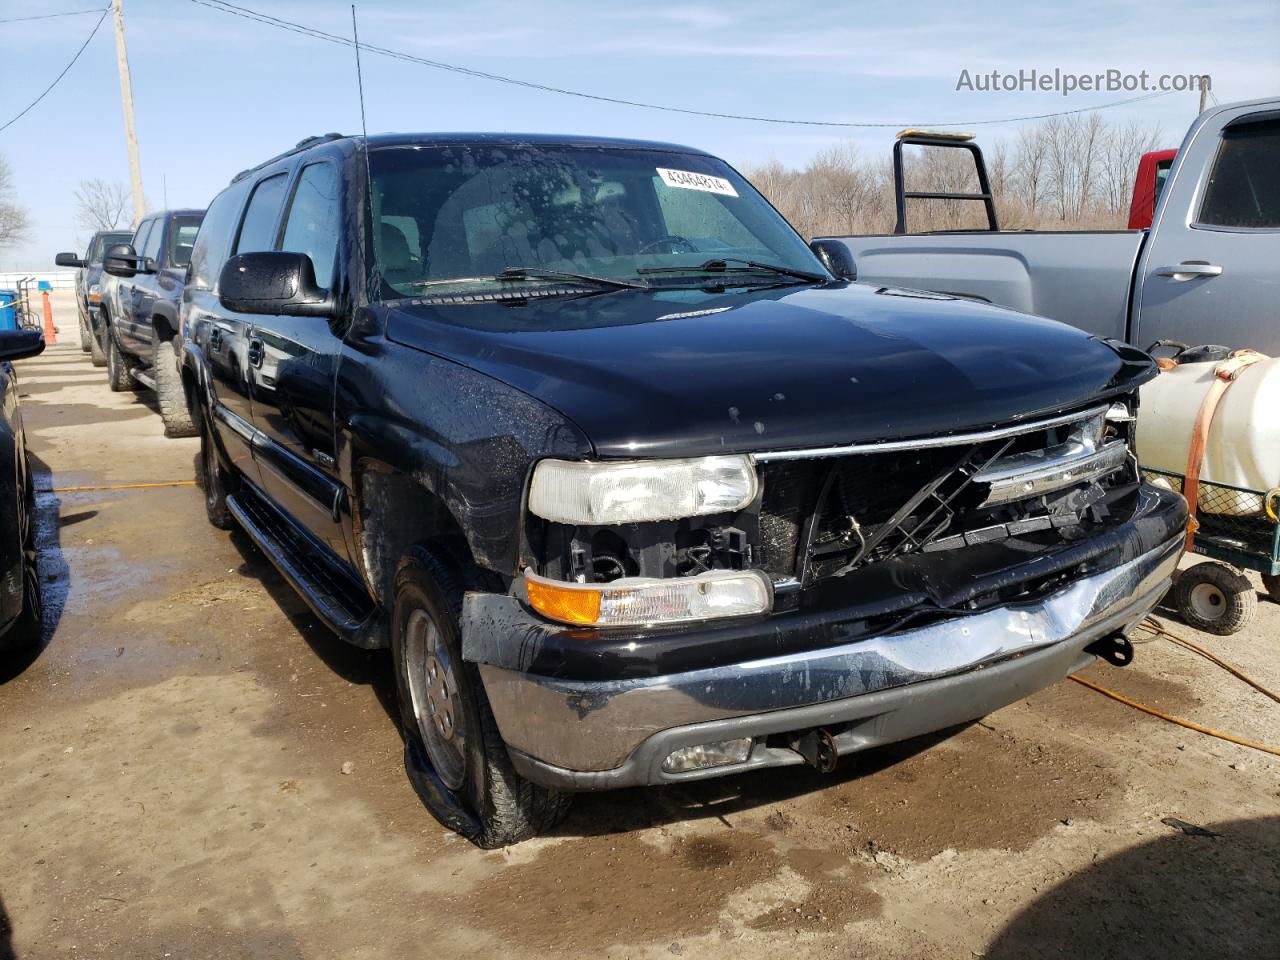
(301, 145)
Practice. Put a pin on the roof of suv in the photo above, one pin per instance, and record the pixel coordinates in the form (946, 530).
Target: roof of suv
(495, 139)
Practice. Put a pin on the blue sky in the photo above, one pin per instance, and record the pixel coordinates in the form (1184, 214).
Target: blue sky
(216, 93)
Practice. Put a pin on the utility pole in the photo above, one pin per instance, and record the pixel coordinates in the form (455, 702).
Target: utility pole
(1204, 89)
(126, 101)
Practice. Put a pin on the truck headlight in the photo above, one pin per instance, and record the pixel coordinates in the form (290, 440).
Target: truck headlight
(95, 293)
(641, 601)
(634, 491)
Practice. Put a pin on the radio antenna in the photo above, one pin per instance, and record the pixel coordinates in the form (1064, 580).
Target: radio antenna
(375, 277)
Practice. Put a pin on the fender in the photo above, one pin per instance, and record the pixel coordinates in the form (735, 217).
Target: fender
(164, 314)
(193, 360)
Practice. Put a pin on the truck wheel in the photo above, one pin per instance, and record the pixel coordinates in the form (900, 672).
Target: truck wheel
(86, 335)
(1272, 583)
(96, 353)
(215, 478)
(174, 409)
(445, 714)
(28, 629)
(118, 378)
(1215, 598)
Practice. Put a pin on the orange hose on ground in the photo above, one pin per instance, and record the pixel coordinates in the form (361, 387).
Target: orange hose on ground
(1275, 752)
(118, 486)
(1154, 625)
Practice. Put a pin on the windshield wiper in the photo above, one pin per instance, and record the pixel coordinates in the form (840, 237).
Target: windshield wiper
(514, 274)
(721, 265)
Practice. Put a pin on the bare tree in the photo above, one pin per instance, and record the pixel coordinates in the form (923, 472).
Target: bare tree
(14, 222)
(1122, 147)
(102, 204)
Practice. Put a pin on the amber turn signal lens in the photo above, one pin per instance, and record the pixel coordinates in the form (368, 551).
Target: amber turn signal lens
(566, 604)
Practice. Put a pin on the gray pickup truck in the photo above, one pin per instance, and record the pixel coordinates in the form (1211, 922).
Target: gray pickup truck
(1205, 272)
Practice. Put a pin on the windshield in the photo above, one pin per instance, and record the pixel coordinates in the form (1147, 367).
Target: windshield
(104, 242)
(469, 212)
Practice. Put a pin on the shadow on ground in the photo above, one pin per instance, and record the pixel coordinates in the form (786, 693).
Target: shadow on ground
(1162, 900)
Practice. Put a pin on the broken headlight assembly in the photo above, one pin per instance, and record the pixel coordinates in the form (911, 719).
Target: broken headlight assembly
(640, 542)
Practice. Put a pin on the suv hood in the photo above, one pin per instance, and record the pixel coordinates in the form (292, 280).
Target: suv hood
(696, 372)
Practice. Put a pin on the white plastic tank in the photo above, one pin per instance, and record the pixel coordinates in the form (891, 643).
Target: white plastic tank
(1243, 447)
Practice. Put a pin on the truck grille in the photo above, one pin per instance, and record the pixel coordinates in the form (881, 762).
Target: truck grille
(825, 514)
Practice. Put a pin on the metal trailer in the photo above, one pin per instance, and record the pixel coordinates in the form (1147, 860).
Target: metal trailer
(1216, 596)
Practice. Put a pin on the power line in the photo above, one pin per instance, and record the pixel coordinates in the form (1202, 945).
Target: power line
(50, 16)
(58, 78)
(223, 7)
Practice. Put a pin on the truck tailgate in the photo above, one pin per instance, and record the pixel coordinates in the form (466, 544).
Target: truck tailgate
(1079, 278)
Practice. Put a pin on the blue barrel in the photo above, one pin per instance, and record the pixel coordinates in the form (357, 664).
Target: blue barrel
(8, 309)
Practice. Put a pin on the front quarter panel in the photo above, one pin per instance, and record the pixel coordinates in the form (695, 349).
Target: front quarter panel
(465, 438)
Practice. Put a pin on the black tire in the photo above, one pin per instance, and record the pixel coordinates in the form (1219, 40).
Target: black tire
(1272, 584)
(118, 378)
(28, 629)
(174, 409)
(96, 353)
(216, 479)
(506, 807)
(1215, 598)
(86, 336)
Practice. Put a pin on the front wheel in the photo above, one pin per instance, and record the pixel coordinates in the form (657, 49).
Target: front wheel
(215, 479)
(86, 336)
(445, 714)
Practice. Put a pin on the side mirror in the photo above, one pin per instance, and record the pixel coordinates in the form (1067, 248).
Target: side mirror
(274, 283)
(19, 344)
(68, 260)
(835, 256)
(121, 260)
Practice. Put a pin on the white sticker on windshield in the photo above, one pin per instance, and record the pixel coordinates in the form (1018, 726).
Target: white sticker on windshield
(696, 181)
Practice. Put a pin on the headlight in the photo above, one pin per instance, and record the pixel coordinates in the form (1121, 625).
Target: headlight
(639, 601)
(603, 493)
(95, 293)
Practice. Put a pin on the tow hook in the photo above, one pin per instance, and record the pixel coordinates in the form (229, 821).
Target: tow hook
(818, 748)
(1116, 649)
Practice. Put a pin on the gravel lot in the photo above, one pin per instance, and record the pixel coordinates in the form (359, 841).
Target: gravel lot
(172, 779)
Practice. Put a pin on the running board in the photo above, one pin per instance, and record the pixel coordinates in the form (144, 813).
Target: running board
(331, 593)
(143, 376)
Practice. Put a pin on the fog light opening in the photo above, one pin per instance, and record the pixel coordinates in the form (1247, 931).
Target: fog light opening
(704, 755)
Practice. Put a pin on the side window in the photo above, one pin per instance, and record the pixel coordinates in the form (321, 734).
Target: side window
(258, 231)
(140, 236)
(151, 246)
(214, 237)
(1243, 189)
(314, 219)
(182, 234)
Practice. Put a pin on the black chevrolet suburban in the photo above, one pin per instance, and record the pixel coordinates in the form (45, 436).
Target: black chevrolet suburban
(636, 485)
(139, 312)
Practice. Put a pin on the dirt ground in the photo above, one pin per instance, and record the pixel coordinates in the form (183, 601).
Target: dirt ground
(172, 785)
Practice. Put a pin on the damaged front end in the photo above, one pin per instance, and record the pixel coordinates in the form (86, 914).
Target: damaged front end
(832, 599)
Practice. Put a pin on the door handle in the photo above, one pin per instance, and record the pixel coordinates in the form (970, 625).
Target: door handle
(1189, 270)
(256, 350)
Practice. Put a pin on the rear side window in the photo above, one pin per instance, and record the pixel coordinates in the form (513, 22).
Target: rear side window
(182, 236)
(314, 219)
(258, 231)
(1243, 189)
(214, 237)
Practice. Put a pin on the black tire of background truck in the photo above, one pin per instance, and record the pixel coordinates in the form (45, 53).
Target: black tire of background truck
(1215, 598)
(96, 353)
(172, 395)
(86, 336)
(1272, 583)
(118, 378)
(215, 479)
(508, 807)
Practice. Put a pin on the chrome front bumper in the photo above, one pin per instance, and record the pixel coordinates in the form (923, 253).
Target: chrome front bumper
(592, 735)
